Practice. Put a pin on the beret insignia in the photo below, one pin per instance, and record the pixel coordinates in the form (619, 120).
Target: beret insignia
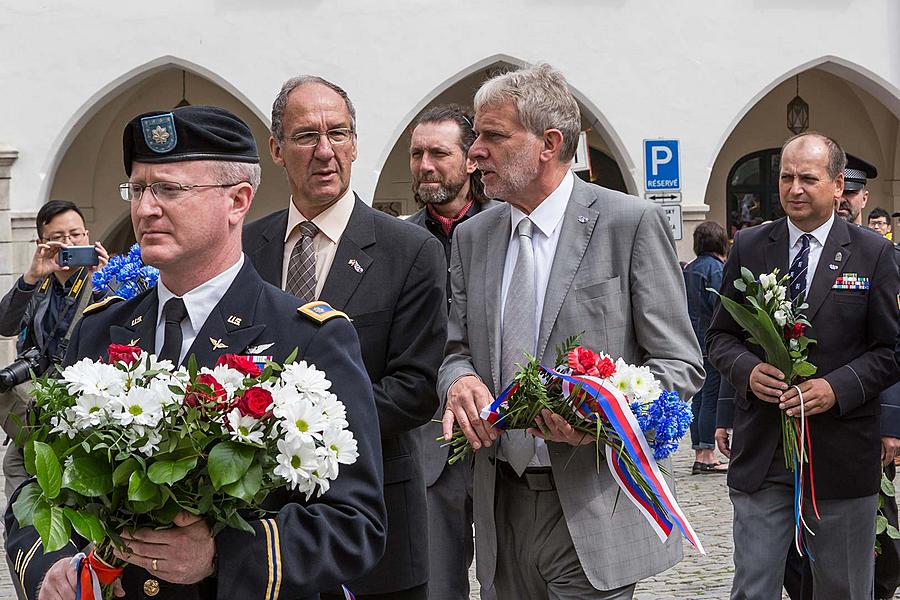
(159, 132)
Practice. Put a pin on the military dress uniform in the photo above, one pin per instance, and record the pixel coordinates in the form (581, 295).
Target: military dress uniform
(301, 547)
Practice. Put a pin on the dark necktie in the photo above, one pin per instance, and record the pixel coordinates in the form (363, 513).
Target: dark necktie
(174, 313)
(301, 275)
(799, 267)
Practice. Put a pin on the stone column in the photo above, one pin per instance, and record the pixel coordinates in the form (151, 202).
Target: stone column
(9, 259)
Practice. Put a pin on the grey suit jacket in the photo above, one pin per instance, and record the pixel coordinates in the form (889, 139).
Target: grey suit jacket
(616, 277)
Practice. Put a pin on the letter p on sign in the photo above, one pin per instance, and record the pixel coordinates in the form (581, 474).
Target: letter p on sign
(661, 165)
(661, 156)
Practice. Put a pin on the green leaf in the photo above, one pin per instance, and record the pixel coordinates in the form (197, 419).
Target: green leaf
(25, 503)
(747, 275)
(236, 521)
(758, 324)
(123, 471)
(87, 524)
(140, 488)
(247, 486)
(49, 473)
(892, 532)
(52, 525)
(881, 524)
(88, 476)
(887, 486)
(171, 471)
(192, 367)
(228, 461)
(291, 357)
(804, 368)
(28, 451)
(739, 285)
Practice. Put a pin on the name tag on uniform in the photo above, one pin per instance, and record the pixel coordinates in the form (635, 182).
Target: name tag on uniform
(850, 281)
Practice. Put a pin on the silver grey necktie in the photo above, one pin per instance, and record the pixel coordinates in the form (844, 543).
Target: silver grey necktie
(518, 338)
(301, 275)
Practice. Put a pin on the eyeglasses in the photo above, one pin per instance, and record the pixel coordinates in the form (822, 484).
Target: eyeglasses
(164, 191)
(878, 223)
(75, 236)
(309, 139)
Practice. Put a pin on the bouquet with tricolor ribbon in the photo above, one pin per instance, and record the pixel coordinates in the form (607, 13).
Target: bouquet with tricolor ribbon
(777, 324)
(622, 407)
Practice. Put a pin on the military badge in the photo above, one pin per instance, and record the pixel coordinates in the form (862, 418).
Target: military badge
(159, 132)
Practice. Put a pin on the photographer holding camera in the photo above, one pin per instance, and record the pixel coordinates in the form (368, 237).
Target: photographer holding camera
(41, 309)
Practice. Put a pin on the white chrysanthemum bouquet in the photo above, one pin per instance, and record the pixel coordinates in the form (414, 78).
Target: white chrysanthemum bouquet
(133, 442)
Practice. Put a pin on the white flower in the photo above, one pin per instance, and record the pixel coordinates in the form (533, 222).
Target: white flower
(230, 379)
(148, 439)
(90, 410)
(160, 387)
(780, 293)
(297, 461)
(339, 448)
(621, 379)
(768, 296)
(644, 386)
(786, 307)
(780, 317)
(334, 410)
(767, 281)
(63, 423)
(89, 377)
(305, 378)
(301, 421)
(140, 406)
(242, 428)
(140, 365)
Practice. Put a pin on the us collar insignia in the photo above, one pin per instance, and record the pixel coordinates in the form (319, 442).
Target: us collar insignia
(355, 264)
(217, 344)
(236, 321)
(159, 132)
(137, 320)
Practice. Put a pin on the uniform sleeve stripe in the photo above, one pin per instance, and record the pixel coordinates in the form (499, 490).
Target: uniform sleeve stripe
(273, 555)
(27, 560)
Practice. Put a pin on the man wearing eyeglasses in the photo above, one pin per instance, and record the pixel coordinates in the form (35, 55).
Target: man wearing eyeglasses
(387, 275)
(193, 172)
(40, 310)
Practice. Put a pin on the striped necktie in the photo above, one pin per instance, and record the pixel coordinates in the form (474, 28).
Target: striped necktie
(301, 278)
(799, 267)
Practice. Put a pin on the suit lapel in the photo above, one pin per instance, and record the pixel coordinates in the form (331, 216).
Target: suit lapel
(230, 328)
(498, 235)
(777, 248)
(350, 260)
(570, 249)
(269, 256)
(838, 240)
(141, 329)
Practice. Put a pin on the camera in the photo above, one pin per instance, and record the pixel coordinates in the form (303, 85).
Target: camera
(77, 256)
(20, 369)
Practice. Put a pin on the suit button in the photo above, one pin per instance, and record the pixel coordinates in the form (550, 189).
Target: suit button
(151, 587)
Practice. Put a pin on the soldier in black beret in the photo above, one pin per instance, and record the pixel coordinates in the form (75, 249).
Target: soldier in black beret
(192, 176)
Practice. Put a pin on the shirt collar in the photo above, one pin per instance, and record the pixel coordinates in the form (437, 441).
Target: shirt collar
(201, 300)
(820, 233)
(550, 212)
(332, 221)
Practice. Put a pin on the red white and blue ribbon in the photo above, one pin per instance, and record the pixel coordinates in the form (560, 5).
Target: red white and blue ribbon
(88, 587)
(592, 397)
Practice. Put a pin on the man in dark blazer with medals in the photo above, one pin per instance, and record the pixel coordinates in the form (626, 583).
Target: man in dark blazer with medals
(192, 175)
(387, 275)
(849, 280)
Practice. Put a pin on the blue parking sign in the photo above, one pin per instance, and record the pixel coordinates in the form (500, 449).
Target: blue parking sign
(662, 170)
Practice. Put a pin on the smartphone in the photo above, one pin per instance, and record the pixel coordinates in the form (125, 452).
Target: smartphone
(77, 256)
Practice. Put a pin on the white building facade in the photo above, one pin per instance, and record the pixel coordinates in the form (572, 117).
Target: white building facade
(715, 75)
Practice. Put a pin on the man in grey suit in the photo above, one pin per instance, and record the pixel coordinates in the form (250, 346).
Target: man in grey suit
(446, 181)
(563, 257)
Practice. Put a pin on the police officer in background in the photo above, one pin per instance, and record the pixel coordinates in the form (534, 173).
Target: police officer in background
(192, 173)
(855, 196)
(41, 310)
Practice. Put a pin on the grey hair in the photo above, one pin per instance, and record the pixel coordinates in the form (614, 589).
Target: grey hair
(292, 84)
(543, 100)
(235, 172)
(837, 158)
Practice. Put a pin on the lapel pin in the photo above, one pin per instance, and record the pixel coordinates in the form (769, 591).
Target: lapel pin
(134, 342)
(833, 267)
(838, 257)
(582, 219)
(137, 320)
(234, 320)
(217, 344)
(356, 266)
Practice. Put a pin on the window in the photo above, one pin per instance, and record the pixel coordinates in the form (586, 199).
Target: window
(751, 192)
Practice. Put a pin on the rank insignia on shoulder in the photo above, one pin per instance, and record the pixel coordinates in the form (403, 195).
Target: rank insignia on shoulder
(98, 306)
(320, 311)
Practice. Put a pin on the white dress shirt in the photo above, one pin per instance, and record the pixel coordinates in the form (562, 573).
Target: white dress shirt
(199, 302)
(547, 219)
(816, 244)
(331, 223)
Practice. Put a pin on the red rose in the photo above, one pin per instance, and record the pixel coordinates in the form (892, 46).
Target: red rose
(583, 361)
(255, 402)
(792, 332)
(214, 392)
(125, 354)
(240, 363)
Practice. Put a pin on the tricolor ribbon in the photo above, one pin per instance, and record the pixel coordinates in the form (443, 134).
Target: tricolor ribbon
(591, 397)
(803, 453)
(92, 572)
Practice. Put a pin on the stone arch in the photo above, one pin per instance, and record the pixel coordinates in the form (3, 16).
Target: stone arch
(601, 136)
(85, 161)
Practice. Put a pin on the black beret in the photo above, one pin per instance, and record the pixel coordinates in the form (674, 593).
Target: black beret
(857, 172)
(188, 133)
